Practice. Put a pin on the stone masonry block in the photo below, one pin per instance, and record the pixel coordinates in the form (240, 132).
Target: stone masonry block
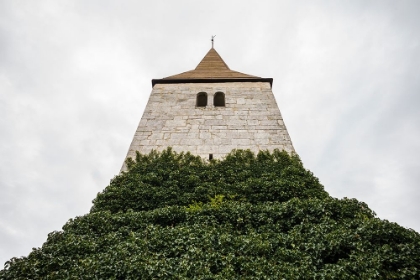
(240, 101)
(218, 127)
(252, 122)
(156, 136)
(241, 142)
(205, 135)
(212, 122)
(179, 135)
(174, 123)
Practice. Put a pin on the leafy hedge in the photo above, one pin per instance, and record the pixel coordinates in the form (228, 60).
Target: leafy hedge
(173, 216)
(167, 179)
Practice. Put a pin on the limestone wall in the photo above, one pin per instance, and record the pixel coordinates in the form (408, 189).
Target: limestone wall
(250, 119)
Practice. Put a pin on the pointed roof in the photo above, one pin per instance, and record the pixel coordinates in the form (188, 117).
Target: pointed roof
(211, 66)
(211, 69)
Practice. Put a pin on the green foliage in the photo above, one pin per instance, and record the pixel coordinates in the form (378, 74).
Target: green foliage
(168, 179)
(173, 216)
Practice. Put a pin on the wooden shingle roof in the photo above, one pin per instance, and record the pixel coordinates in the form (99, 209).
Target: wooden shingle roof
(211, 69)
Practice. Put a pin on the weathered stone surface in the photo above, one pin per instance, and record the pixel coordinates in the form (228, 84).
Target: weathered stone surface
(250, 120)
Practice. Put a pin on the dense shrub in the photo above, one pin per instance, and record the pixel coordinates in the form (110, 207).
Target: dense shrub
(167, 179)
(174, 216)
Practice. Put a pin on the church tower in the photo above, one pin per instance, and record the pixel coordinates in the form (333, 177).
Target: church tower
(210, 111)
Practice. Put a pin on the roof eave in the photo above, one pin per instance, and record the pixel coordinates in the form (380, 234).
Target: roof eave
(208, 80)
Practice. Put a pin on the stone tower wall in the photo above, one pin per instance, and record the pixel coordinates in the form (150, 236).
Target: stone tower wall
(250, 119)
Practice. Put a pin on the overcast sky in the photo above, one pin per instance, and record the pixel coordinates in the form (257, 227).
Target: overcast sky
(75, 77)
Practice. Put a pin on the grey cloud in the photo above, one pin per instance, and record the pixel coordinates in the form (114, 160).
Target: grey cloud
(75, 77)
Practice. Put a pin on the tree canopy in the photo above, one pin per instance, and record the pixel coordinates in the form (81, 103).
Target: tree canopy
(264, 216)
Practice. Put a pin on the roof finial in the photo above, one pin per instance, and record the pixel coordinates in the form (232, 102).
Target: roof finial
(212, 41)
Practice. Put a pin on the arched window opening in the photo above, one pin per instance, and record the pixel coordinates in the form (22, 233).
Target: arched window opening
(219, 99)
(201, 99)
